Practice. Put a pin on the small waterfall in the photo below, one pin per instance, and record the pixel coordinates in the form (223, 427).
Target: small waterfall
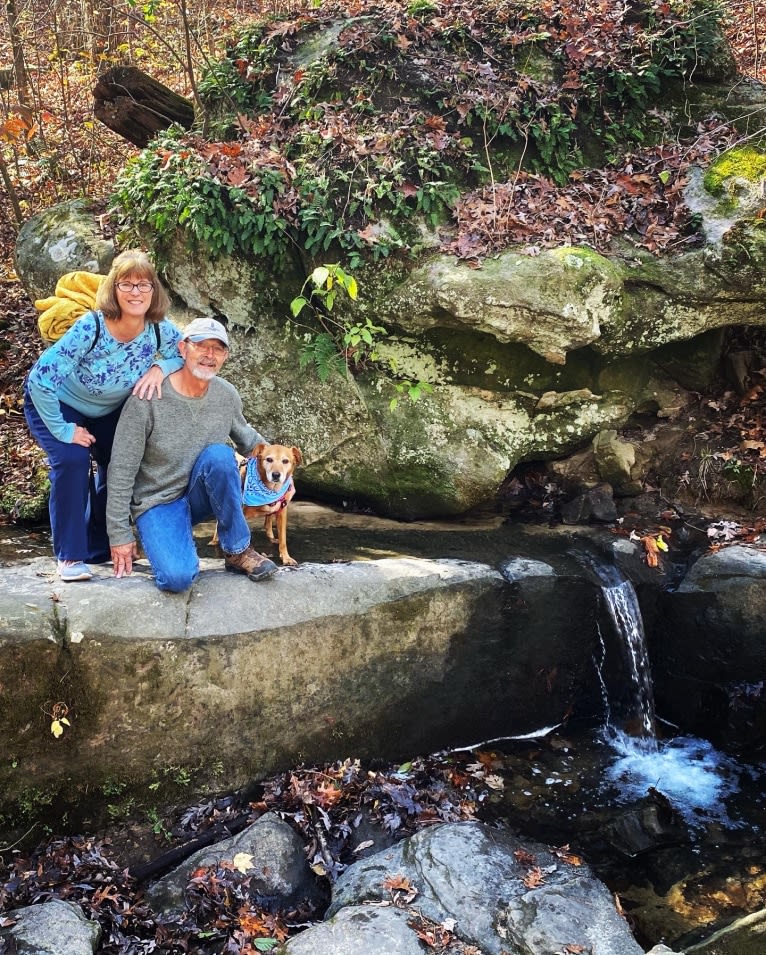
(622, 604)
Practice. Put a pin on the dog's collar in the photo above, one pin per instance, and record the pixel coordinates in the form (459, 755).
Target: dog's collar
(254, 491)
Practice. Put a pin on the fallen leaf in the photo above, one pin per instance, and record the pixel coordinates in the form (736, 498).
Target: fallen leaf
(534, 878)
(243, 861)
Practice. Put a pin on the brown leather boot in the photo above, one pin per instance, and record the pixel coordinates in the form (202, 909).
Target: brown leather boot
(256, 566)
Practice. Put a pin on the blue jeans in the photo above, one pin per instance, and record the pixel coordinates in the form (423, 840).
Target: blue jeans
(77, 503)
(214, 491)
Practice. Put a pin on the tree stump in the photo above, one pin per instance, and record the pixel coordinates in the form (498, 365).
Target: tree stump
(137, 107)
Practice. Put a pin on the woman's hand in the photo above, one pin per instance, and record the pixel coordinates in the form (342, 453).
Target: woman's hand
(82, 436)
(150, 384)
(282, 502)
(123, 556)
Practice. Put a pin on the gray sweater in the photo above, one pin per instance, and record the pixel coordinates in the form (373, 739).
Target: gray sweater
(157, 443)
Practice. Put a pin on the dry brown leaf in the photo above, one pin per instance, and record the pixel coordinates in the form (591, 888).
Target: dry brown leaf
(534, 878)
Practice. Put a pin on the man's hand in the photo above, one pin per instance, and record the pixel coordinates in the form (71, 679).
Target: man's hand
(123, 556)
(82, 436)
(149, 385)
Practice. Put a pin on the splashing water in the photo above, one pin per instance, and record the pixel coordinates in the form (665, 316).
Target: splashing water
(694, 776)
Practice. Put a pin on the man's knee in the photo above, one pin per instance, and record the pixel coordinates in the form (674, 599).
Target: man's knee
(175, 581)
(218, 456)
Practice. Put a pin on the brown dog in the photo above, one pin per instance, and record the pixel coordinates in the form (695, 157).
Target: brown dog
(269, 475)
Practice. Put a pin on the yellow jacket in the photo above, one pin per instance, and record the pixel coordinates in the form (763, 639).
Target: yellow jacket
(75, 294)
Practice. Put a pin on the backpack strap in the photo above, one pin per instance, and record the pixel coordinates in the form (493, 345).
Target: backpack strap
(157, 334)
(96, 336)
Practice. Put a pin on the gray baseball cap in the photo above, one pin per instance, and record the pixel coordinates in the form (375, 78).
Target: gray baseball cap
(202, 328)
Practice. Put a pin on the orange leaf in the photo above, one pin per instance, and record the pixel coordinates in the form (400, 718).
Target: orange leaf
(563, 853)
(534, 878)
(397, 883)
(652, 551)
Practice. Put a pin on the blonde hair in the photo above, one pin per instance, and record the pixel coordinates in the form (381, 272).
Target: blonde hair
(132, 262)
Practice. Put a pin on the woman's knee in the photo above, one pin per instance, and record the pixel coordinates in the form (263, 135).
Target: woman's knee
(69, 459)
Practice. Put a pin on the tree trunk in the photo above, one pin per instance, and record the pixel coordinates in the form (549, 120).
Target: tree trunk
(17, 48)
(12, 196)
(137, 107)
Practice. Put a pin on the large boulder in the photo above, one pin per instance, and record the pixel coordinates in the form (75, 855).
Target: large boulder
(521, 367)
(380, 658)
(269, 853)
(64, 238)
(501, 892)
(53, 928)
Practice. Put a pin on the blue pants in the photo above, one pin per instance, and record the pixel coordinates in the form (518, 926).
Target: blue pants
(77, 502)
(214, 491)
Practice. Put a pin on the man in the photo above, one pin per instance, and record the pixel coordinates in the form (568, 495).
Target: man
(171, 468)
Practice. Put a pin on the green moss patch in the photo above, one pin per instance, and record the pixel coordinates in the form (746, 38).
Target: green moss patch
(745, 162)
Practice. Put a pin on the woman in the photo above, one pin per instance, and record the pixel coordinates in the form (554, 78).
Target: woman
(74, 394)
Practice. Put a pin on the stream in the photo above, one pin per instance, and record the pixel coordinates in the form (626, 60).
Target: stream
(674, 828)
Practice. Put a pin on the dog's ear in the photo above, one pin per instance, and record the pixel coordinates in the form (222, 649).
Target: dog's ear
(297, 456)
(257, 451)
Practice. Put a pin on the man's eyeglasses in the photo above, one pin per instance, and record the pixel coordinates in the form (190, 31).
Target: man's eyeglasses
(143, 287)
(218, 349)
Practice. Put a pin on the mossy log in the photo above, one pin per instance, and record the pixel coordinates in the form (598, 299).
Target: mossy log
(137, 107)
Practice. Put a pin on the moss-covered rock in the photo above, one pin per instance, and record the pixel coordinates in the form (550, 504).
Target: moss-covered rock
(737, 176)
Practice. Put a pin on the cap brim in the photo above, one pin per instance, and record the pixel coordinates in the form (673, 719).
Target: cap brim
(203, 338)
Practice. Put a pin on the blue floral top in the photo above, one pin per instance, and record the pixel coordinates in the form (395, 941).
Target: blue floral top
(96, 379)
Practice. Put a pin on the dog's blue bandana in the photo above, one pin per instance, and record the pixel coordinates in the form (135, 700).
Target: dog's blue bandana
(254, 491)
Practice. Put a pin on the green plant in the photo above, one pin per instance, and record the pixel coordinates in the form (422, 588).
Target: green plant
(113, 787)
(414, 390)
(169, 186)
(344, 345)
(157, 825)
(181, 776)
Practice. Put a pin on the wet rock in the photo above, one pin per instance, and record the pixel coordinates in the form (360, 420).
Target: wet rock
(646, 826)
(53, 928)
(360, 930)
(708, 653)
(270, 854)
(476, 876)
(594, 505)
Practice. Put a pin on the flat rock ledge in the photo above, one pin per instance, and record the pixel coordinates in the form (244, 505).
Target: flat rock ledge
(35, 604)
(234, 679)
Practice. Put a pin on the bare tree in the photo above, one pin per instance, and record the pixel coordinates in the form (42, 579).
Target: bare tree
(17, 48)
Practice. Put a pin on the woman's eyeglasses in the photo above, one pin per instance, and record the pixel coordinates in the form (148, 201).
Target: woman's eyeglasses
(143, 287)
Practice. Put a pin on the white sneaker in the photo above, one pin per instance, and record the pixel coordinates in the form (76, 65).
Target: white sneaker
(70, 570)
